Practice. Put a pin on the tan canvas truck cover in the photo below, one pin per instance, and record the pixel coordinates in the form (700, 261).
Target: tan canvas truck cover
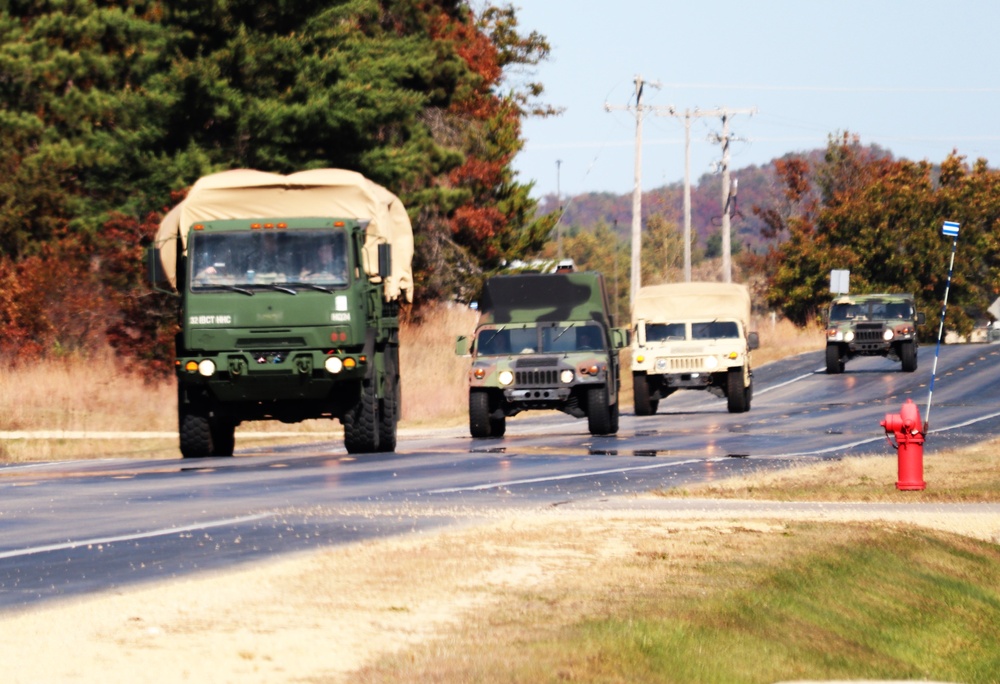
(675, 302)
(318, 193)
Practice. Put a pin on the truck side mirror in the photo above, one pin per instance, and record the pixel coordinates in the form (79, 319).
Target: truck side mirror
(920, 318)
(384, 260)
(753, 341)
(462, 345)
(640, 332)
(154, 267)
(620, 338)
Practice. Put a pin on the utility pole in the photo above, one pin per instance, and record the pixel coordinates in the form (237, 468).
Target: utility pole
(637, 187)
(725, 139)
(688, 115)
(559, 224)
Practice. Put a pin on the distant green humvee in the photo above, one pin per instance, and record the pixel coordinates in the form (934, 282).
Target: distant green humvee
(872, 325)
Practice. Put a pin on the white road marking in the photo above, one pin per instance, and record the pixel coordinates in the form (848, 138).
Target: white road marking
(572, 476)
(130, 537)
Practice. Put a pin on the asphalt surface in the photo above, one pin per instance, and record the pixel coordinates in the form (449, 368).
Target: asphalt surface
(68, 528)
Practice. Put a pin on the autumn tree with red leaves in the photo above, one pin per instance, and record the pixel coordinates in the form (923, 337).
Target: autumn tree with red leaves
(880, 218)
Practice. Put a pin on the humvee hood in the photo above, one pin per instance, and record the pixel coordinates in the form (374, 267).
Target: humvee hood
(691, 301)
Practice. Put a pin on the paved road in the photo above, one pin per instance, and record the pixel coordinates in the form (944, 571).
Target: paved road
(73, 527)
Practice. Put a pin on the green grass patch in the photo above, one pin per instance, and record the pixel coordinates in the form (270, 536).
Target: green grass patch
(821, 601)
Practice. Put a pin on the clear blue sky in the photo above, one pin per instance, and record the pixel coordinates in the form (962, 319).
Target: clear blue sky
(918, 77)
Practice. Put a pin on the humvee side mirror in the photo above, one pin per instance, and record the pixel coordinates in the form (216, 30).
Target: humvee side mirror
(753, 341)
(462, 345)
(620, 338)
(920, 318)
(640, 332)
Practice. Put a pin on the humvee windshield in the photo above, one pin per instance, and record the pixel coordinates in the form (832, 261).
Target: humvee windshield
(530, 339)
(876, 309)
(661, 332)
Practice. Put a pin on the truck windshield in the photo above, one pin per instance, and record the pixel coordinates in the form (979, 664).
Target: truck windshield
(247, 259)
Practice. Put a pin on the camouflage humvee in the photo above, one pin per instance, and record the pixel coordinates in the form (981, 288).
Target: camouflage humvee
(544, 341)
(872, 325)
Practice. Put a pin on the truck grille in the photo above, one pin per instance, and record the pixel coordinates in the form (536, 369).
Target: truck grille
(535, 378)
(243, 342)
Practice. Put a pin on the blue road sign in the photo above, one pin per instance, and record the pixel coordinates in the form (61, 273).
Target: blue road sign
(950, 228)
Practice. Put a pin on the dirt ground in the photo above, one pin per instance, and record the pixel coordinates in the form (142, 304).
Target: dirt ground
(320, 616)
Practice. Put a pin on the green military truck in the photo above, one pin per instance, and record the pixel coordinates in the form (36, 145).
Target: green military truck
(544, 342)
(872, 325)
(692, 336)
(289, 290)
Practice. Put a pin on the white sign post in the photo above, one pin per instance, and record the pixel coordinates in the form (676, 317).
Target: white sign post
(950, 228)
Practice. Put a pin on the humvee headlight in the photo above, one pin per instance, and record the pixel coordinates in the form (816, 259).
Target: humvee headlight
(849, 336)
(333, 364)
(661, 365)
(566, 376)
(505, 377)
(887, 335)
(206, 367)
(711, 362)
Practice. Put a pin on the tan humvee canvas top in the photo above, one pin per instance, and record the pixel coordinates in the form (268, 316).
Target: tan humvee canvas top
(677, 302)
(319, 193)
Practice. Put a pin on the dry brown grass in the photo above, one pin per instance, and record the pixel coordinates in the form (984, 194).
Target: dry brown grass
(97, 395)
(780, 339)
(435, 379)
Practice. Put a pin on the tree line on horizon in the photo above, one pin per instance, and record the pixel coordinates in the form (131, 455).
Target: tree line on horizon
(111, 110)
(849, 206)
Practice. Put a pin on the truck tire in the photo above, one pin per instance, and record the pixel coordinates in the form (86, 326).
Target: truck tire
(195, 435)
(908, 355)
(390, 409)
(640, 395)
(361, 422)
(834, 364)
(598, 411)
(737, 394)
(615, 415)
(480, 425)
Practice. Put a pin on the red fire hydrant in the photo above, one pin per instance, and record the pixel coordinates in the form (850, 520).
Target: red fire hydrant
(906, 429)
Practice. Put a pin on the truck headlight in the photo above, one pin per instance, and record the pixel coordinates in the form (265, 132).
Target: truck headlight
(333, 364)
(711, 362)
(566, 376)
(661, 365)
(505, 377)
(206, 367)
(849, 336)
(887, 335)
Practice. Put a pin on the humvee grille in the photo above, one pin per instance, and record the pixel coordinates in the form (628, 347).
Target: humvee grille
(682, 365)
(539, 378)
(868, 332)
